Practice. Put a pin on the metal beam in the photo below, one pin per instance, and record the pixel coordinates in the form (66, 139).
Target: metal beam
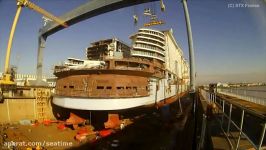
(191, 48)
(81, 13)
(41, 46)
(193, 95)
(88, 10)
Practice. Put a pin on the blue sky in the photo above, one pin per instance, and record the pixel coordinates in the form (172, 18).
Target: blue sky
(229, 43)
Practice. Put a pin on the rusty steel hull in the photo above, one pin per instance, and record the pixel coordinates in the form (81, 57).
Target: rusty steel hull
(118, 85)
(114, 92)
(102, 86)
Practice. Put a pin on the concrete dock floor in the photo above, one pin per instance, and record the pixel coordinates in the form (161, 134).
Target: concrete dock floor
(162, 129)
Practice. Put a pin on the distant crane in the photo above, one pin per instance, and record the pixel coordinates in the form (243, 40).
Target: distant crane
(7, 81)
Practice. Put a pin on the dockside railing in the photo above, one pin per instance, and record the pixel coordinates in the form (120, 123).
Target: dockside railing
(238, 122)
(244, 94)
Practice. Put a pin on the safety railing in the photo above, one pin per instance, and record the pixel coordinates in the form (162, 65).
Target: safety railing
(255, 96)
(238, 122)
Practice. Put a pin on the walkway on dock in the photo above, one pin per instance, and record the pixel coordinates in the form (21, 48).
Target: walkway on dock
(234, 123)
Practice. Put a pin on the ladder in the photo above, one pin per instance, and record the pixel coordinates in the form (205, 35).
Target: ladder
(42, 99)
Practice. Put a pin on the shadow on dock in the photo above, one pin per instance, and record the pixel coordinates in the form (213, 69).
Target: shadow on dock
(162, 129)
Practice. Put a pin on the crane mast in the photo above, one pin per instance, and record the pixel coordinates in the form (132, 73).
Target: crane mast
(7, 80)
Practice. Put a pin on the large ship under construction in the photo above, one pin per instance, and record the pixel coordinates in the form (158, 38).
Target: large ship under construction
(151, 72)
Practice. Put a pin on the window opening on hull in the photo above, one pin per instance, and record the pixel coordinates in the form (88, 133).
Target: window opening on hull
(108, 87)
(71, 86)
(100, 87)
(120, 87)
(135, 89)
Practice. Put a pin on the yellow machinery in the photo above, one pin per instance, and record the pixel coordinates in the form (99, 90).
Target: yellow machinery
(152, 23)
(7, 82)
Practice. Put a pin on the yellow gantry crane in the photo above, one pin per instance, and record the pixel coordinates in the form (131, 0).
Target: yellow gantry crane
(7, 82)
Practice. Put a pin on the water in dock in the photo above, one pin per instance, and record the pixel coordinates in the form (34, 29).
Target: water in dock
(255, 94)
(255, 91)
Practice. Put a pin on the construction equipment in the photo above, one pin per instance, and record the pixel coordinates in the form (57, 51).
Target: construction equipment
(7, 82)
(151, 13)
(135, 17)
(147, 12)
(152, 23)
(162, 5)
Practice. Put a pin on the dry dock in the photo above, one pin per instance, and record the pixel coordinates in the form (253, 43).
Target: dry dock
(164, 128)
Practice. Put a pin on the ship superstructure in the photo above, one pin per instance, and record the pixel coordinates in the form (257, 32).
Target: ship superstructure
(116, 76)
(109, 48)
(149, 44)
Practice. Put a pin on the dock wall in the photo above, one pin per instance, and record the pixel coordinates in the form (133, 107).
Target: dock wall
(33, 106)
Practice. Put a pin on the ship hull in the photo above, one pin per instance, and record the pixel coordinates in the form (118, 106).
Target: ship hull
(101, 104)
(160, 93)
(98, 117)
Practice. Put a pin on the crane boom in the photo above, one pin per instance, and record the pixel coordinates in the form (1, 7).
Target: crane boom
(10, 40)
(38, 9)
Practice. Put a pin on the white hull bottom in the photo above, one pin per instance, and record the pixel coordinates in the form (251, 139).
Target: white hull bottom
(101, 104)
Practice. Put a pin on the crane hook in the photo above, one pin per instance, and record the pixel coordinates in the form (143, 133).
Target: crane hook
(162, 6)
